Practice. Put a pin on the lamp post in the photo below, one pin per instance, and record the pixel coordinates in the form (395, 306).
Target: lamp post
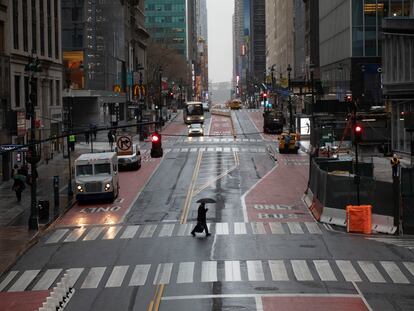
(291, 125)
(33, 156)
(160, 100)
(312, 125)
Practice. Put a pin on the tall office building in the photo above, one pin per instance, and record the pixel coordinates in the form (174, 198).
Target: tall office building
(201, 64)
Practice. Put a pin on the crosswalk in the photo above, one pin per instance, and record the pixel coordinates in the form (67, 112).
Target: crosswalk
(211, 149)
(85, 234)
(217, 139)
(278, 270)
(401, 242)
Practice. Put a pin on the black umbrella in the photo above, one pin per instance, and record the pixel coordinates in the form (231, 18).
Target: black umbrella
(206, 200)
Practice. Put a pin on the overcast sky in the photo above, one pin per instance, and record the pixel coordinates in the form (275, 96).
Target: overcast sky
(220, 42)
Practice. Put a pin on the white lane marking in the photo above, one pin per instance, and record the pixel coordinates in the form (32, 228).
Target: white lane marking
(243, 197)
(301, 270)
(410, 267)
(313, 228)
(295, 228)
(139, 276)
(394, 272)
(56, 236)
(371, 272)
(129, 232)
(117, 276)
(94, 277)
(148, 231)
(93, 234)
(111, 232)
(259, 303)
(276, 228)
(185, 272)
(25, 279)
(278, 270)
(240, 228)
(209, 271)
(74, 275)
(348, 271)
(232, 271)
(8, 279)
(163, 274)
(47, 279)
(182, 229)
(167, 230)
(362, 296)
(324, 270)
(258, 228)
(74, 235)
(227, 149)
(255, 270)
(222, 228)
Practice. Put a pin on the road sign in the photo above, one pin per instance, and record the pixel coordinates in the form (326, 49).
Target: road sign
(124, 144)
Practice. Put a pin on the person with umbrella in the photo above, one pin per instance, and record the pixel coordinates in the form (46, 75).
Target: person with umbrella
(201, 217)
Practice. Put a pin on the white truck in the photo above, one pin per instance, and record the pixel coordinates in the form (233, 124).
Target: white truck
(97, 176)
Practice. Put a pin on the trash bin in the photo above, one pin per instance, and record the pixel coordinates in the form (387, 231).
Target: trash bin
(43, 208)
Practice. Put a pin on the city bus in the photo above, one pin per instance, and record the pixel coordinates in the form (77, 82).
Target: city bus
(193, 112)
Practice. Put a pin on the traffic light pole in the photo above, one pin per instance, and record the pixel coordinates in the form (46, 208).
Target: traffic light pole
(357, 178)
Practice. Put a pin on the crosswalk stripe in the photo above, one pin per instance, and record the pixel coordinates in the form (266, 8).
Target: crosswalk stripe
(222, 228)
(94, 277)
(276, 228)
(258, 228)
(117, 276)
(193, 150)
(47, 279)
(278, 270)
(25, 279)
(348, 271)
(163, 274)
(182, 230)
(167, 230)
(240, 228)
(394, 272)
(410, 267)
(255, 270)
(139, 276)
(324, 270)
(8, 279)
(129, 232)
(185, 272)
(301, 270)
(112, 232)
(148, 231)
(209, 271)
(227, 149)
(295, 228)
(232, 271)
(56, 236)
(93, 234)
(75, 235)
(313, 228)
(74, 275)
(371, 272)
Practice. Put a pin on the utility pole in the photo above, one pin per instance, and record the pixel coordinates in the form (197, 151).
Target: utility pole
(33, 155)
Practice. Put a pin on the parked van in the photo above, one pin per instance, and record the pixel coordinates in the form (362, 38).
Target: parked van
(96, 176)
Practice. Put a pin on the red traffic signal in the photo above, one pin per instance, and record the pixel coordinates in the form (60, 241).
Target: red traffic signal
(357, 133)
(155, 138)
(348, 98)
(264, 95)
(156, 149)
(358, 129)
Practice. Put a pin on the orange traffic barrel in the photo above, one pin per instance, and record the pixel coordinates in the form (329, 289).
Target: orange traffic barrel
(358, 218)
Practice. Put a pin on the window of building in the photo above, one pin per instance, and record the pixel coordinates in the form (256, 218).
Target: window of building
(57, 85)
(25, 25)
(34, 27)
(17, 91)
(49, 28)
(16, 24)
(56, 20)
(168, 7)
(42, 27)
(168, 19)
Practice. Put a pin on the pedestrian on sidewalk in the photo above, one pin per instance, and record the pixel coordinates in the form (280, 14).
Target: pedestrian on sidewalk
(87, 137)
(111, 139)
(14, 170)
(94, 130)
(395, 165)
(18, 185)
(201, 220)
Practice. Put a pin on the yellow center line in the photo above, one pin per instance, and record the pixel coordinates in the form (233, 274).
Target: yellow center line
(151, 305)
(187, 204)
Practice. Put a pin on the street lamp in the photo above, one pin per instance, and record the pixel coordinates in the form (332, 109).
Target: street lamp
(160, 100)
(291, 125)
(33, 156)
(312, 124)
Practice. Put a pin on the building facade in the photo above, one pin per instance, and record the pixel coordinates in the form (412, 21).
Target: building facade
(201, 67)
(34, 28)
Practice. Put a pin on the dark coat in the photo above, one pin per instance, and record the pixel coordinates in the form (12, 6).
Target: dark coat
(202, 212)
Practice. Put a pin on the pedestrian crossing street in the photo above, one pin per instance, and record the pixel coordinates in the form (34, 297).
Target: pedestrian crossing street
(297, 270)
(84, 234)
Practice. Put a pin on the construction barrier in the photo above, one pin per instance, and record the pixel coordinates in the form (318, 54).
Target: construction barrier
(358, 218)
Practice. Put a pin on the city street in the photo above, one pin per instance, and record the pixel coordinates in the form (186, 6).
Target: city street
(266, 251)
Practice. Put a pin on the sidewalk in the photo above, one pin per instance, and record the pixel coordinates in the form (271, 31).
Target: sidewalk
(15, 238)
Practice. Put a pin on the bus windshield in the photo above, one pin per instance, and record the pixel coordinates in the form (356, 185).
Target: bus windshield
(195, 110)
(84, 170)
(103, 168)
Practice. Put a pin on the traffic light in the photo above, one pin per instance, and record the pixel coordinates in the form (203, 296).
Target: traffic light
(357, 134)
(348, 98)
(156, 149)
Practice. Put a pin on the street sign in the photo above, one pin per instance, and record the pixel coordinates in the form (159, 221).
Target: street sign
(124, 144)
(4, 148)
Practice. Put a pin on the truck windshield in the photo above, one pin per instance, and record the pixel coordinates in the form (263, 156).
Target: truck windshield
(103, 168)
(84, 170)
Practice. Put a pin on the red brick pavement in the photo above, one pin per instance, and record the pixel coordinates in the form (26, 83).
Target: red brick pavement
(220, 126)
(22, 301)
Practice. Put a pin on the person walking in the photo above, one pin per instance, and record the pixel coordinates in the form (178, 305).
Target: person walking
(14, 170)
(201, 219)
(111, 139)
(18, 185)
(395, 165)
(87, 137)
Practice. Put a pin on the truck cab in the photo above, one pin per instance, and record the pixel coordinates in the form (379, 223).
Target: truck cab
(96, 176)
